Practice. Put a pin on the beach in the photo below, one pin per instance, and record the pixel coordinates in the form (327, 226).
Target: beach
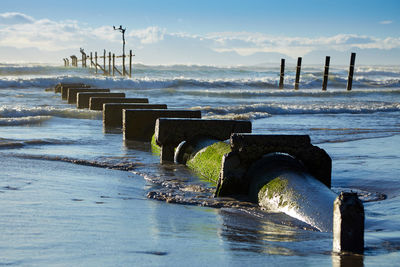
(72, 194)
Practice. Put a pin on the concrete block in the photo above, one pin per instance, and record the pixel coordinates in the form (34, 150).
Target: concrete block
(72, 93)
(58, 87)
(172, 131)
(64, 89)
(96, 103)
(317, 161)
(139, 124)
(112, 113)
(82, 99)
(348, 224)
(248, 148)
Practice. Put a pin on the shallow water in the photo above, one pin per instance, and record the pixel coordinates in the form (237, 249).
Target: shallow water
(73, 195)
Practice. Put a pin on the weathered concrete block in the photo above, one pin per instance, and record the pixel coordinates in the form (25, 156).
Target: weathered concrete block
(112, 113)
(84, 98)
(348, 224)
(139, 124)
(170, 132)
(315, 159)
(58, 87)
(96, 103)
(249, 148)
(72, 93)
(64, 89)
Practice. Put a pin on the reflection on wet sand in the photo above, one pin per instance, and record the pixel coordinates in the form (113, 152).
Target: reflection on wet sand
(267, 233)
(347, 260)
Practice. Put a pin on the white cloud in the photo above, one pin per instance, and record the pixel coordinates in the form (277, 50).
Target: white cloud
(385, 22)
(11, 18)
(150, 35)
(246, 43)
(22, 31)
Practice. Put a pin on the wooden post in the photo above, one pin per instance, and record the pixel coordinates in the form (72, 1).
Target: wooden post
(113, 66)
(130, 63)
(296, 84)
(104, 61)
(282, 75)
(67, 62)
(351, 71)
(109, 63)
(326, 73)
(123, 65)
(91, 59)
(95, 61)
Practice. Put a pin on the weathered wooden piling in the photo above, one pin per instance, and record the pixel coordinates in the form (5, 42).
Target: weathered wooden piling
(123, 63)
(109, 63)
(104, 62)
(95, 61)
(113, 64)
(298, 69)
(348, 224)
(139, 125)
(91, 59)
(83, 98)
(112, 112)
(130, 63)
(326, 73)
(83, 58)
(72, 92)
(282, 74)
(351, 71)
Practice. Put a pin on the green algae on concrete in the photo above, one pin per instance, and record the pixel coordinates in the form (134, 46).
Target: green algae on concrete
(207, 162)
(275, 187)
(156, 149)
(278, 188)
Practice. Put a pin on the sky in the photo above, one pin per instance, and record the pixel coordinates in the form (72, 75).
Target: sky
(205, 32)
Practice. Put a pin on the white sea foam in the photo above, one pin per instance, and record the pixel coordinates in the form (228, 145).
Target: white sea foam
(262, 110)
(19, 112)
(29, 120)
(187, 76)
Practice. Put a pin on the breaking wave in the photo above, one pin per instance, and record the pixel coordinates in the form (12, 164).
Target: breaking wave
(192, 76)
(18, 114)
(262, 110)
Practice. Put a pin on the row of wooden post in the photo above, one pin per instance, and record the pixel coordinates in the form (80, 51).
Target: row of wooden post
(112, 69)
(326, 73)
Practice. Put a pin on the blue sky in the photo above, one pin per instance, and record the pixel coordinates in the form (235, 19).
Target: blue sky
(204, 32)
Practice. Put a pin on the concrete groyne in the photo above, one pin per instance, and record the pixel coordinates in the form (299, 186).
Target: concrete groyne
(281, 173)
(73, 92)
(112, 112)
(83, 98)
(96, 103)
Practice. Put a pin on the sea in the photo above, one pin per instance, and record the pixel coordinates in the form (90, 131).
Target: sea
(72, 194)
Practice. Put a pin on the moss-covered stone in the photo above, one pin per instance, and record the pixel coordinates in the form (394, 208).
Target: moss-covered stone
(156, 149)
(207, 162)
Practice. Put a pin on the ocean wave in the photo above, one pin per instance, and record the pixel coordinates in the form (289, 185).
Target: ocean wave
(42, 113)
(29, 120)
(198, 77)
(12, 143)
(262, 110)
